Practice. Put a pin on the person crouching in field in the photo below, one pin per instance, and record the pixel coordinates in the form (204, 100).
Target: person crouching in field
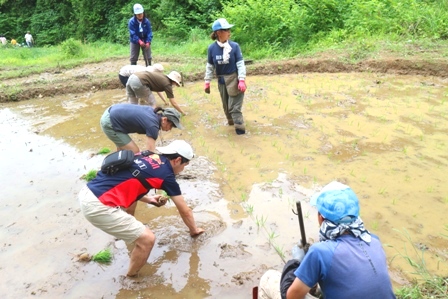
(142, 84)
(109, 201)
(348, 262)
(128, 70)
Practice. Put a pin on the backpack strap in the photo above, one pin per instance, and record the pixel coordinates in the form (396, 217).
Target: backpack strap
(138, 175)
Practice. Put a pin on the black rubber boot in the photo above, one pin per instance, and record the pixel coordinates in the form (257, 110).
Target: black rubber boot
(240, 129)
(133, 63)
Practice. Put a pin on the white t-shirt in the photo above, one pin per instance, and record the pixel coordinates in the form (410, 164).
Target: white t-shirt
(128, 70)
(28, 38)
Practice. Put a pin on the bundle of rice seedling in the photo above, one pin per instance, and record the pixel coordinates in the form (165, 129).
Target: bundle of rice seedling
(103, 257)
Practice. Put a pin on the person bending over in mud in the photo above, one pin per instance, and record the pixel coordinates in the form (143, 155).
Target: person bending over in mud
(119, 120)
(109, 201)
(127, 70)
(348, 262)
(142, 84)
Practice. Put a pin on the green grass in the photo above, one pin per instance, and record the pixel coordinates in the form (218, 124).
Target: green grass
(426, 285)
(191, 53)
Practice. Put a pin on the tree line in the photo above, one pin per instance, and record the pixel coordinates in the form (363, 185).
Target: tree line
(269, 23)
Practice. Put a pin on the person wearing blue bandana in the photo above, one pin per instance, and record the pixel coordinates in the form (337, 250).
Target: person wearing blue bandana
(348, 262)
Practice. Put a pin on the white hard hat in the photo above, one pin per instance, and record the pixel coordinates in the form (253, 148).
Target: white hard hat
(138, 8)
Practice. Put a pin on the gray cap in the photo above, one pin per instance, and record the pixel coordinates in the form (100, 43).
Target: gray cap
(174, 116)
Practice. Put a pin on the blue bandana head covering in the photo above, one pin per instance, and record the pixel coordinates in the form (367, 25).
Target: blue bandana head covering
(336, 202)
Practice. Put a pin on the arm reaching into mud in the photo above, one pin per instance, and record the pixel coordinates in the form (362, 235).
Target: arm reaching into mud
(175, 105)
(187, 215)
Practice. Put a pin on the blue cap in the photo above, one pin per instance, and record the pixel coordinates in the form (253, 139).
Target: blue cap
(221, 24)
(337, 202)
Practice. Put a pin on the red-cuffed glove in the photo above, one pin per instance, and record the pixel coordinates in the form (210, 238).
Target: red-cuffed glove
(242, 86)
(207, 87)
(148, 44)
(141, 43)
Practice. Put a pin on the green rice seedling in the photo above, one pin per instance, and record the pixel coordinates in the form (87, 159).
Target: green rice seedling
(104, 151)
(260, 221)
(90, 175)
(272, 235)
(249, 209)
(103, 256)
(374, 224)
(280, 252)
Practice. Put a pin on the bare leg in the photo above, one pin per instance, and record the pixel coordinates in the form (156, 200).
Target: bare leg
(130, 146)
(141, 251)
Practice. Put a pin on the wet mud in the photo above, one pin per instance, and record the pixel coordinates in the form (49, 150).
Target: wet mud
(383, 134)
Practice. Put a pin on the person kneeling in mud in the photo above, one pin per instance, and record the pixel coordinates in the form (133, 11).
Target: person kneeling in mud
(109, 201)
(348, 262)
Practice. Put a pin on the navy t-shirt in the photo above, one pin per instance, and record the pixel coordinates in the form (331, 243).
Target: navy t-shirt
(122, 189)
(130, 118)
(214, 56)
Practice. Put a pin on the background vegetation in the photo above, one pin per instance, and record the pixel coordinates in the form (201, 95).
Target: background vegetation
(287, 25)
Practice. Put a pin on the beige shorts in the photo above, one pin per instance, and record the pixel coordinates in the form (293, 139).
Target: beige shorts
(112, 220)
(269, 287)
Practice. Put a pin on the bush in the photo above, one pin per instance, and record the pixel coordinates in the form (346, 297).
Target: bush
(71, 48)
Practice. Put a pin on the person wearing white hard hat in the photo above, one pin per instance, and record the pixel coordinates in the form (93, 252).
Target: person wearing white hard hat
(109, 201)
(140, 35)
(127, 70)
(142, 84)
(224, 57)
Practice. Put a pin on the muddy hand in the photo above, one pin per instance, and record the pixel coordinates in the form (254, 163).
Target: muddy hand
(198, 232)
(158, 200)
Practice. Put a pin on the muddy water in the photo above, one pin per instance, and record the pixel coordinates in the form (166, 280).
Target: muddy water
(384, 135)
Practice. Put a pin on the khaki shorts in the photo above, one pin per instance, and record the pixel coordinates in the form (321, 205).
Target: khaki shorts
(269, 287)
(135, 90)
(120, 139)
(112, 220)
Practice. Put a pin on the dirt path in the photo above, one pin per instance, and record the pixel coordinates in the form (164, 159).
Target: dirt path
(103, 76)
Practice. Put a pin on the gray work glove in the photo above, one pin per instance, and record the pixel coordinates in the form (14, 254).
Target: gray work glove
(298, 253)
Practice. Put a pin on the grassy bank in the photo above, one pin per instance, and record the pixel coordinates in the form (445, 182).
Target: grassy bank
(19, 62)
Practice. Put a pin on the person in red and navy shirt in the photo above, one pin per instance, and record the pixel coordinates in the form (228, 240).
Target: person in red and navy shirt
(109, 201)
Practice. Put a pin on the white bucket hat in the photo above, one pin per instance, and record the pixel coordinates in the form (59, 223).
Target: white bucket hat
(180, 147)
(175, 76)
(138, 8)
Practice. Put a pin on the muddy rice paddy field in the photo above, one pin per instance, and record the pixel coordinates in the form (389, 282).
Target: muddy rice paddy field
(383, 132)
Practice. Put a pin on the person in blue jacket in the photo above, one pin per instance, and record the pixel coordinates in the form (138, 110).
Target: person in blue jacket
(140, 35)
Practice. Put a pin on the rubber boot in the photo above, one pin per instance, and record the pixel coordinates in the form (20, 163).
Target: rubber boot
(133, 63)
(240, 129)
